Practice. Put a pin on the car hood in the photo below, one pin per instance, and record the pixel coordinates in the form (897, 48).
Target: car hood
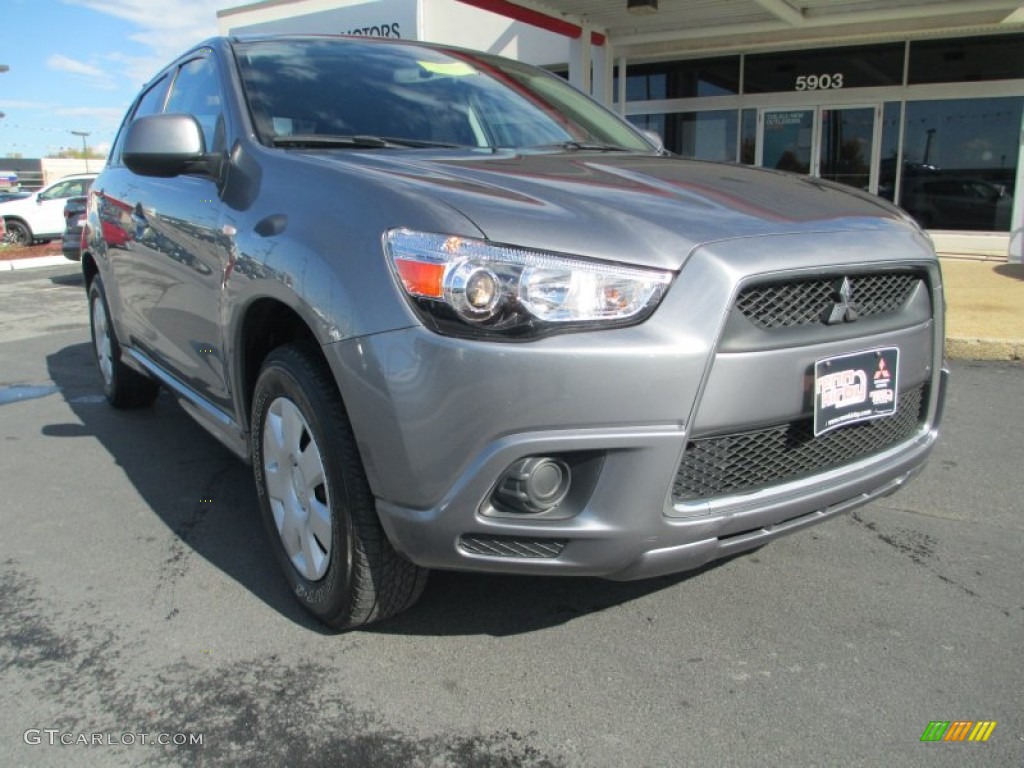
(640, 209)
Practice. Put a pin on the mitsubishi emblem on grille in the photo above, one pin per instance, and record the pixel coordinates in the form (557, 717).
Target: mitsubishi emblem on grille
(842, 311)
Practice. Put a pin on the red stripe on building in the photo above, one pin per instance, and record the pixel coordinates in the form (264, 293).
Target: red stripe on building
(535, 18)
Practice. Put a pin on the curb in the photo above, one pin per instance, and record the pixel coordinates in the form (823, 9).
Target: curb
(39, 261)
(974, 257)
(985, 349)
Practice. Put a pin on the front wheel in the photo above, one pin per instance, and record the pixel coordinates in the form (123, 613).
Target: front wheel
(18, 233)
(315, 499)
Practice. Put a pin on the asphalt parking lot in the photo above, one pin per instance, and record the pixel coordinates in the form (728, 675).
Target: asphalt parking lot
(139, 603)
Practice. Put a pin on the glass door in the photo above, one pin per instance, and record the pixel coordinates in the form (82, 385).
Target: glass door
(834, 143)
(787, 139)
(847, 146)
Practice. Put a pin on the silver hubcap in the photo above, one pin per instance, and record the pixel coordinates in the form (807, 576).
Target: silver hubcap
(101, 338)
(297, 487)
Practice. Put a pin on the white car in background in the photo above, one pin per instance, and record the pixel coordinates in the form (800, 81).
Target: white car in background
(40, 216)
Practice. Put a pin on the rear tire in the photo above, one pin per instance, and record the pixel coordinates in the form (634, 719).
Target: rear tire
(315, 499)
(123, 387)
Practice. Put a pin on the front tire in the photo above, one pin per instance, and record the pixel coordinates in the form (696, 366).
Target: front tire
(315, 499)
(18, 233)
(123, 387)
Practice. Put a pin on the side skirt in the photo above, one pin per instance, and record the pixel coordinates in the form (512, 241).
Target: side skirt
(214, 420)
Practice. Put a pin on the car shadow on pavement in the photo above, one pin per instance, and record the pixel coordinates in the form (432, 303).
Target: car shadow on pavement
(456, 604)
(1011, 270)
(206, 498)
(74, 278)
(196, 486)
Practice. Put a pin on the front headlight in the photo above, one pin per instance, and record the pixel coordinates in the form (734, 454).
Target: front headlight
(466, 286)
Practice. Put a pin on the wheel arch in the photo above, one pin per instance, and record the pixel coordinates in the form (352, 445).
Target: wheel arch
(89, 268)
(267, 323)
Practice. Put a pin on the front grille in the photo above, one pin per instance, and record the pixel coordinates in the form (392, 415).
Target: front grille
(802, 302)
(511, 546)
(749, 461)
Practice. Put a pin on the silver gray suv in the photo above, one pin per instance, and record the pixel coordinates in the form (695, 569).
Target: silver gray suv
(457, 315)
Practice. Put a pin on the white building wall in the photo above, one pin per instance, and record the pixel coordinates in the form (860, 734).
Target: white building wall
(376, 18)
(437, 21)
(454, 23)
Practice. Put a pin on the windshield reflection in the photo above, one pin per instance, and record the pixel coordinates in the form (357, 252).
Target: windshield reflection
(374, 89)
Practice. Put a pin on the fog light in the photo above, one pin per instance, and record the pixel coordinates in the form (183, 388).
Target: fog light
(536, 484)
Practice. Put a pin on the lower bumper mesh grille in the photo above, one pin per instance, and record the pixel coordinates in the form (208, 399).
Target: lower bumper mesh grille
(748, 461)
(511, 546)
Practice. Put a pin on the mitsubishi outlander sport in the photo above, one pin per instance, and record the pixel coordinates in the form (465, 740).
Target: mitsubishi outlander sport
(459, 316)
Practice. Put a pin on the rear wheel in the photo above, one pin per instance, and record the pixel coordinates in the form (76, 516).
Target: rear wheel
(316, 501)
(18, 233)
(123, 387)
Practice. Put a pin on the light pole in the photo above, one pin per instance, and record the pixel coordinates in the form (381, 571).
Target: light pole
(85, 150)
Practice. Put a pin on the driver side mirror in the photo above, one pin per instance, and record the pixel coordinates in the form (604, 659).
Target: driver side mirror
(165, 146)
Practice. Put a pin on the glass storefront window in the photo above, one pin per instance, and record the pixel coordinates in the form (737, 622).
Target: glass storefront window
(826, 69)
(847, 138)
(644, 86)
(682, 79)
(699, 135)
(655, 123)
(787, 138)
(748, 137)
(890, 150)
(960, 162)
(951, 162)
(966, 59)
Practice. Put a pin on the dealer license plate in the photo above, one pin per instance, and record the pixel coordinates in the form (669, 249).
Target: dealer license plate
(852, 388)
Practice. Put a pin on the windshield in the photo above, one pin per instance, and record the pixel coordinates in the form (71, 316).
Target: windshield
(300, 91)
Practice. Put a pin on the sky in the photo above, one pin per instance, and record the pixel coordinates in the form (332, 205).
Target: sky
(76, 65)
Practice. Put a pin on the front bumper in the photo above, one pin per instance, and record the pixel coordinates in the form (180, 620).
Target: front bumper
(439, 420)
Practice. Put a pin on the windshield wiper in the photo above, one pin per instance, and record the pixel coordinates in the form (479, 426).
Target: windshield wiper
(358, 141)
(328, 140)
(577, 146)
(423, 143)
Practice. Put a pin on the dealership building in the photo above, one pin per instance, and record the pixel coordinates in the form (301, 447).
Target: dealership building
(918, 101)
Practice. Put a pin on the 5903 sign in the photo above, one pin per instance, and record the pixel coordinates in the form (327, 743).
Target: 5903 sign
(823, 82)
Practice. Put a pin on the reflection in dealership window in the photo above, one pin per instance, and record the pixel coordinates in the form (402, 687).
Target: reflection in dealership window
(699, 135)
(966, 60)
(890, 150)
(831, 69)
(748, 137)
(682, 79)
(960, 162)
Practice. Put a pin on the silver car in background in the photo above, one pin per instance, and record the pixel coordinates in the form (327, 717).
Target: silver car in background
(457, 315)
